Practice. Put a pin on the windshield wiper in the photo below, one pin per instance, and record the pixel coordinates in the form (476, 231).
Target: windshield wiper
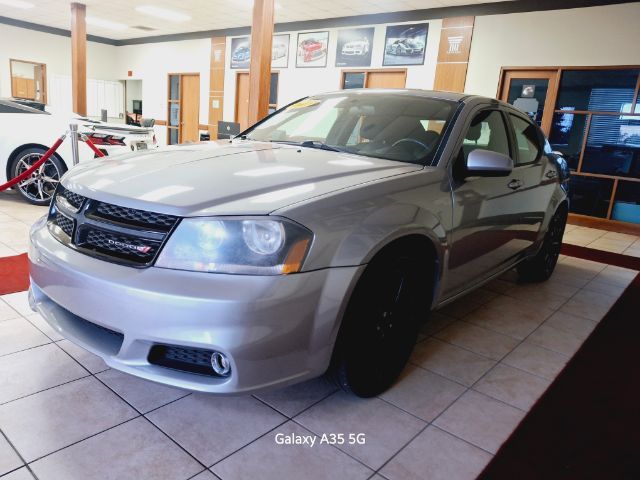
(312, 144)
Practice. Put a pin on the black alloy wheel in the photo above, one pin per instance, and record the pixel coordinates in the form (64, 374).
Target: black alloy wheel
(381, 325)
(540, 267)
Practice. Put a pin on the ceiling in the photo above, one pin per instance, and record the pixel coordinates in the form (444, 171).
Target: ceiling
(206, 14)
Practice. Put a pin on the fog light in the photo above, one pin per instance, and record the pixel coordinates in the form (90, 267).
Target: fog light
(220, 364)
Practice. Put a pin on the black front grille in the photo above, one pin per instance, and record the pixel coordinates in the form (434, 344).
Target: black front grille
(191, 360)
(135, 217)
(119, 234)
(65, 224)
(73, 198)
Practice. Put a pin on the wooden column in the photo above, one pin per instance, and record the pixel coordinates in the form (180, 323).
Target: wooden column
(216, 84)
(79, 58)
(260, 69)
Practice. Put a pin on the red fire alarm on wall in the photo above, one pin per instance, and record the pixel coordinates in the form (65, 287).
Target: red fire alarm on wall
(129, 73)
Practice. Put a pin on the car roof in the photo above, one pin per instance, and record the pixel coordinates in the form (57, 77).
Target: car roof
(7, 102)
(439, 95)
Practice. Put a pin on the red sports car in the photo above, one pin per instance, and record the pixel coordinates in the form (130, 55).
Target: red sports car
(312, 49)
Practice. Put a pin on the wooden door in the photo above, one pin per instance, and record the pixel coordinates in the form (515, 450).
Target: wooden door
(242, 100)
(532, 91)
(384, 79)
(189, 108)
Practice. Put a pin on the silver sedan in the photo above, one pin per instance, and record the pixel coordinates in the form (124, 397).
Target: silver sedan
(315, 242)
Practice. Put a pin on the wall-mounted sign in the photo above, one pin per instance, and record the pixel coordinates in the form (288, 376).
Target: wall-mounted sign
(280, 51)
(240, 52)
(405, 44)
(354, 47)
(312, 49)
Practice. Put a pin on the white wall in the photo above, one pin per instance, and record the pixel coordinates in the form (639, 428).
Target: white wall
(294, 83)
(607, 35)
(152, 62)
(54, 51)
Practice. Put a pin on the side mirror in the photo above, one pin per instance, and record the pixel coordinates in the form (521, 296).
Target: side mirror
(486, 163)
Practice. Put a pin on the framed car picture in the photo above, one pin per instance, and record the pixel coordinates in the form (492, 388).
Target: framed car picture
(280, 51)
(312, 49)
(240, 52)
(354, 47)
(405, 44)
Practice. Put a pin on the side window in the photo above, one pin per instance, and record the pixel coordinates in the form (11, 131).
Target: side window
(527, 140)
(487, 132)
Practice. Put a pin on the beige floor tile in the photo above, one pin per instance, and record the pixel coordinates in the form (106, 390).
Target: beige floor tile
(450, 361)
(81, 409)
(218, 426)
(19, 302)
(141, 394)
(18, 334)
(615, 246)
(206, 475)
(437, 455)
(290, 401)
(510, 385)
(632, 251)
(41, 324)
(588, 304)
(7, 312)
(436, 322)
(500, 285)
(39, 368)
(543, 296)
(20, 474)
(134, 450)
(6, 250)
(387, 429)
(566, 322)
(477, 339)
(422, 393)
(9, 459)
(579, 267)
(599, 286)
(620, 236)
(266, 459)
(509, 316)
(617, 275)
(88, 360)
(480, 420)
(537, 360)
(556, 340)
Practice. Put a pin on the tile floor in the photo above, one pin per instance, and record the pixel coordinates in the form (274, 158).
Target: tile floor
(478, 367)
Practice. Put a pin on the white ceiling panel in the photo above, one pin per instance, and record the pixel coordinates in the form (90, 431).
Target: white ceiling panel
(205, 14)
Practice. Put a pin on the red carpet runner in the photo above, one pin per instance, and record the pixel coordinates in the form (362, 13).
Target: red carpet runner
(14, 274)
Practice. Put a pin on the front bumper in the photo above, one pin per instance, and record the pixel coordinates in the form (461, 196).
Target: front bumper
(276, 330)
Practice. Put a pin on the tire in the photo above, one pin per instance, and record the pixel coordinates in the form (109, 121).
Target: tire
(39, 188)
(541, 266)
(381, 324)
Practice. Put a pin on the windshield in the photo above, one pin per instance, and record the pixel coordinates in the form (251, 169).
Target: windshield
(398, 127)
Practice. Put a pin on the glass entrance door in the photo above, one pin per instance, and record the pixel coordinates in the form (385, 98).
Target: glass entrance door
(533, 92)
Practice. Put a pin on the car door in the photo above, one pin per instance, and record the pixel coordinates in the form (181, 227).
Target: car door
(486, 218)
(537, 174)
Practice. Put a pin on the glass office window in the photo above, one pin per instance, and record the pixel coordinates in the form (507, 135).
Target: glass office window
(354, 80)
(174, 87)
(613, 146)
(273, 89)
(173, 136)
(567, 135)
(626, 205)
(591, 195)
(597, 90)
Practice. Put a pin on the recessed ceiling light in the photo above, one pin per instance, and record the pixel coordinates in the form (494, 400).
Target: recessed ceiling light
(17, 4)
(163, 13)
(101, 22)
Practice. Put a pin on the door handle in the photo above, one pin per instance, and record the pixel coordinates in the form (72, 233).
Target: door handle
(514, 184)
(551, 174)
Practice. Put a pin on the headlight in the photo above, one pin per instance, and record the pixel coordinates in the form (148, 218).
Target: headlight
(252, 246)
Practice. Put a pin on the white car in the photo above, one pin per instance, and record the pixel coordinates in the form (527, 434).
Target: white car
(278, 50)
(356, 47)
(27, 133)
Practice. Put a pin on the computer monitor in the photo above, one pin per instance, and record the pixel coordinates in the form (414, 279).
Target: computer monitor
(137, 107)
(228, 130)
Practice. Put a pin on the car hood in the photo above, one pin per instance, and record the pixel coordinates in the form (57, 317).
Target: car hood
(225, 178)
